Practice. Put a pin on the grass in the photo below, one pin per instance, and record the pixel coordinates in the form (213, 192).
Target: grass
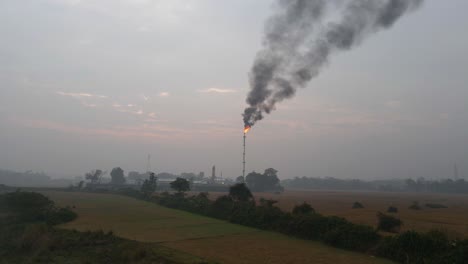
(201, 236)
(453, 219)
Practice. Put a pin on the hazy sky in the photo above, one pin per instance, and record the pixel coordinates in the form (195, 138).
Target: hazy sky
(88, 84)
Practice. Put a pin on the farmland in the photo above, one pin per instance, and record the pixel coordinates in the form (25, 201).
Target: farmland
(453, 219)
(205, 237)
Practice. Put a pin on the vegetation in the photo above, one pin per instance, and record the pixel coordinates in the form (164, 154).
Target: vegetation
(94, 176)
(328, 183)
(268, 181)
(424, 248)
(415, 206)
(357, 205)
(117, 175)
(33, 207)
(409, 185)
(211, 238)
(453, 219)
(388, 223)
(27, 178)
(303, 209)
(435, 206)
(335, 231)
(136, 177)
(149, 185)
(240, 193)
(441, 186)
(180, 185)
(28, 235)
(392, 209)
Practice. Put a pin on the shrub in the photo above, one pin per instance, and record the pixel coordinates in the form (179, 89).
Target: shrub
(415, 206)
(34, 236)
(34, 207)
(388, 223)
(352, 236)
(60, 215)
(413, 247)
(304, 208)
(23, 201)
(357, 205)
(392, 209)
(435, 206)
(222, 207)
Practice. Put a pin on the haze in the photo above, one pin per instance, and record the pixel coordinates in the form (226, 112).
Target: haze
(98, 84)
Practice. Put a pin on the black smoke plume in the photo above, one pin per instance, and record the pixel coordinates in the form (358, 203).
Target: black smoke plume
(299, 39)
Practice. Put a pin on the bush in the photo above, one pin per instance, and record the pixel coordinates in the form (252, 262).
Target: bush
(388, 223)
(34, 237)
(357, 205)
(34, 207)
(352, 236)
(413, 247)
(304, 208)
(435, 206)
(60, 215)
(392, 209)
(19, 201)
(415, 206)
(222, 207)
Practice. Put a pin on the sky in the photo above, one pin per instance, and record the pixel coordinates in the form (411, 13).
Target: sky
(87, 84)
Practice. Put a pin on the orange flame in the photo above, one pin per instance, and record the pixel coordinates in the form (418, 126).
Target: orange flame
(246, 129)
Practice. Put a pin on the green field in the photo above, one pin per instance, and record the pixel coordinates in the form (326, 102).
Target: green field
(205, 237)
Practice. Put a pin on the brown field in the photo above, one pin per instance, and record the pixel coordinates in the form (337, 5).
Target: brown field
(197, 235)
(453, 219)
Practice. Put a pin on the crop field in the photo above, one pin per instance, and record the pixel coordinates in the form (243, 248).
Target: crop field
(201, 236)
(453, 219)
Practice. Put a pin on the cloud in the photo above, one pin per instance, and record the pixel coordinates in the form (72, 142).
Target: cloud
(89, 105)
(146, 131)
(81, 95)
(217, 90)
(164, 94)
(145, 98)
(155, 132)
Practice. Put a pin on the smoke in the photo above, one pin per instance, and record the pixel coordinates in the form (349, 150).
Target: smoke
(300, 37)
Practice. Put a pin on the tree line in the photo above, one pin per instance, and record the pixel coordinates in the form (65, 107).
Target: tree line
(240, 207)
(396, 185)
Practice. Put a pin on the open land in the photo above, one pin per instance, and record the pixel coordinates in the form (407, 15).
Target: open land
(453, 220)
(202, 236)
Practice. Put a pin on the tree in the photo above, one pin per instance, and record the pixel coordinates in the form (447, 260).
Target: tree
(415, 206)
(303, 209)
(117, 175)
(254, 181)
(181, 185)
(94, 176)
(149, 185)
(137, 177)
(357, 205)
(240, 179)
(268, 181)
(240, 193)
(80, 185)
(388, 223)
